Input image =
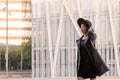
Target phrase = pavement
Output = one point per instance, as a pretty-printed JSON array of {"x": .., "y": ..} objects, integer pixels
[
  {"x": 103, "y": 78},
  {"x": 26, "y": 75},
  {"x": 16, "y": 74}
]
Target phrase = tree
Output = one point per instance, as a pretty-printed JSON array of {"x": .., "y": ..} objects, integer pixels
[
  {"x": 14, "y": 56},
  {"x": 26, "y": 50}
]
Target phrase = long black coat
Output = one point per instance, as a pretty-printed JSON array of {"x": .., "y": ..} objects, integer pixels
[{"x": 99, "y": 65}]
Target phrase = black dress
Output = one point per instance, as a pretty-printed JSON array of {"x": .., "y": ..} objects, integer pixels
[{"x": 86, "y": 69}]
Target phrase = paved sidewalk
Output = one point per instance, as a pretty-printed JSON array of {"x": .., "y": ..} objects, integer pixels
[{"x": 108, "y": 78}]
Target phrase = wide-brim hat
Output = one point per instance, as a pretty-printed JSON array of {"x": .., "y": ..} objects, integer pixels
[{"x": 83, "y": 21}]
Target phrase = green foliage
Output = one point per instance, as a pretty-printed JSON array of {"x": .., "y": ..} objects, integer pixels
[
  {"x": 14, "y": 55},
  {"x": 2, "y": 54},
  {"x": 26, "y": 50}
]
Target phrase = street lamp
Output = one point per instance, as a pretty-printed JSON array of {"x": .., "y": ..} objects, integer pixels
[
  {"x": 5, "y": 7},
  {"x": 6, "y": 55}
]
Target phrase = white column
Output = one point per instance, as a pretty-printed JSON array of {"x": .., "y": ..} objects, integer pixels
[
  {"x": 49, "y": 36},
  {"x": 37, "y": 50},
  {"x": 79, "y": 7},
  {"x": 33, "y": 51},
  {"x": 97, "y": 19},
  {"x": 114, "y": 37},
  {"x": 33, "y": 41},
  {"x": 58, "y": 39},
  {"x": 72, "y": 19}
]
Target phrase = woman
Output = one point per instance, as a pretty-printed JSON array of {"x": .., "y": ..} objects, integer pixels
[{"x": 89, "y": 62}]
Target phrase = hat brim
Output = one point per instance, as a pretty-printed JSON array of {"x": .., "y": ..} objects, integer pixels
[{"x": 83, "y": 21}]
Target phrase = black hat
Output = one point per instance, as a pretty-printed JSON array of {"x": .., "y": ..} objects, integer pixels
[{"x": 83, "y": 21}]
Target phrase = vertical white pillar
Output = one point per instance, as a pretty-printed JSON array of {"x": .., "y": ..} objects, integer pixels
[
  {"x": 97, "y": 19},
  {"x": 33, "y": 38},
  {"x": 69, "y": 51},
  {"x": 58, "y": 38},
  {"x": 114, "y": 37},
  {"x": 72, "y": 19},
  {"x": 37, "y": 50},
  {"x": 33, "y": 50},
  {"x": 49, "y": 36},
  {"x": 79, "y": 7},
  {"x": 107, "y": 42}
]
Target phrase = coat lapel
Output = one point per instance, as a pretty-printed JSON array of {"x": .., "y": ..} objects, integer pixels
[
  {"x": 86, "y": 40},
  {"x": 79, "y": 40}
]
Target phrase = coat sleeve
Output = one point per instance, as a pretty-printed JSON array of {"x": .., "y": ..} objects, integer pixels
[
  {"x": 92, "y": 35},
  {"x": 78, "y": 55}
]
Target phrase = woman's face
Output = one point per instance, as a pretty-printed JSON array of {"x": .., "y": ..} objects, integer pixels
[{"x": 84, "y": 28}]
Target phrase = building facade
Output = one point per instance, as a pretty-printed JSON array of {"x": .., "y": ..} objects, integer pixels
[
  {"x": 19, "y": 27},
  {"x": 19, "y": 21},
  {"x": 54, "y": 34}
]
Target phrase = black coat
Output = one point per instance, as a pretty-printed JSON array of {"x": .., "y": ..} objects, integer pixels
[{"x": 99, "y": 65}]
